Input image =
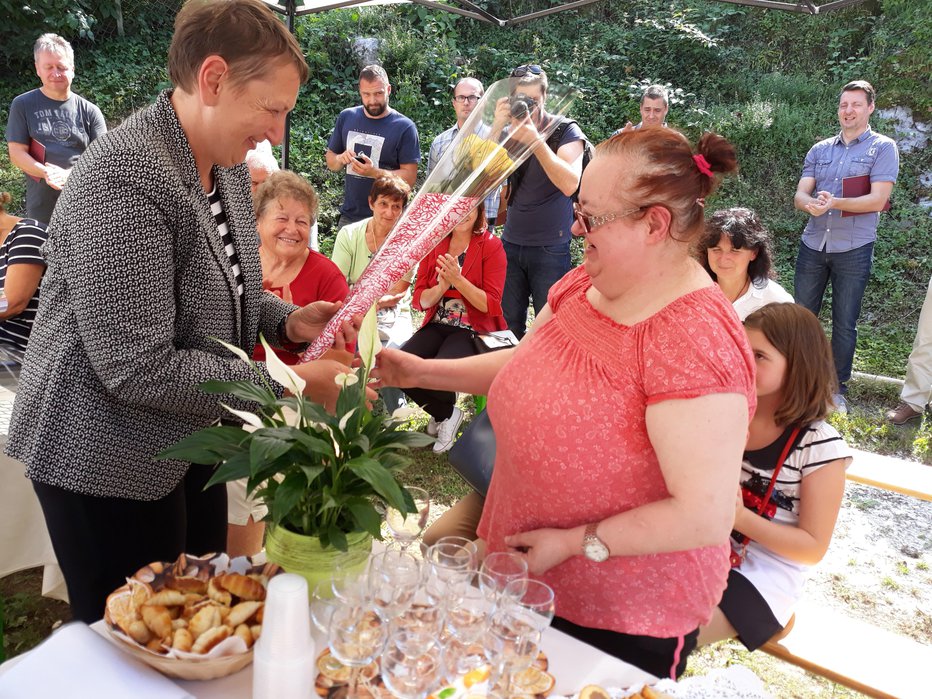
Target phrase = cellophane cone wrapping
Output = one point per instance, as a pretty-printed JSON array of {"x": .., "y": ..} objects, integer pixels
[{"x": 476, "y": 163}]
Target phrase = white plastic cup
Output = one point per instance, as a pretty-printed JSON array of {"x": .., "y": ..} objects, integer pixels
[
  {"x": 286, "y": 627},
  {"x": 283, "y": 665}
]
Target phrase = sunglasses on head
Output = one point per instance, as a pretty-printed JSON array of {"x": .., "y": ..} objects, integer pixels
[{"x": 521, "y": 71}]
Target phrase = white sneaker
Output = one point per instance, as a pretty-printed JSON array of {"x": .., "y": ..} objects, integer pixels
[
  {"x": 432, "y": 427},
  {"x": 446, "y": 431}
]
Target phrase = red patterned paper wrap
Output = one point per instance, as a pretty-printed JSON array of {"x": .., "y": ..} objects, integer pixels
[{"x": 429, "y": 218}]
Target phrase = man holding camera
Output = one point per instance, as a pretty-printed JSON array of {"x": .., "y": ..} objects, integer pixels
[
  {"x": 540, "y": 206},
  {"x": 371, "y": 141}
]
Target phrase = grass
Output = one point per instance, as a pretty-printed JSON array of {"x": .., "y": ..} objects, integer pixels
[
  {"x": 780, "y": 678},
  {"x": 26, "y": 617}
]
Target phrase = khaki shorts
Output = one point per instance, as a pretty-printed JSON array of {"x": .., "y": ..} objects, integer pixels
[{"x": 240, "y": 507}]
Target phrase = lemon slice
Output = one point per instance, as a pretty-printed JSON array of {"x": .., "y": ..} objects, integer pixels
[
  {"x": 476, "y": 676},
  {"x": 333, "y": 669},
  {"x": 593, "y": 691},
  {"x": 533, "y": 681}
]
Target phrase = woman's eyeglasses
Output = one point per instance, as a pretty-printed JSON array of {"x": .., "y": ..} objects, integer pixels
[
  {"x": 521, "y": 71},
  {"x": 466, "y": 99},
  {"x": 590, "y": 223}
]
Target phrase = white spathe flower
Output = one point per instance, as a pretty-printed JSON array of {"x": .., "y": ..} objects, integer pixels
[
  {"x": 345, "y": 419},
  {"x": 347, "y": 379},
  {"x": 368, "y": 342},
  {"x": 281, "y": 372},
  {"x": 248, "y": 418},
  {"x": 403, "y": 413},
  {"x": 235, "y": 350},
  {"x": 292, "y": 418}
]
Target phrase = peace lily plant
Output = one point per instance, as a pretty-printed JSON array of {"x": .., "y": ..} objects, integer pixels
[{"x": 320, "y": 475}]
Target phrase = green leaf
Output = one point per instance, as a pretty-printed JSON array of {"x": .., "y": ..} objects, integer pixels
[
  {"x": 241, "y": 389},
  {"x": 315, "y": 445},
  {"x": 234, "y": 468},
  {"x": 337, "y": 538},
  {"x": 365, "y": 516},
  {"x": 362, "y": 443},
  {"x": 267, "y": 447},
  {"x": 287, "y": 495},
  {"x": 207, "y": 446},
  {"x": 311, "y": 471},
  {"x": 380, "y": 478}
]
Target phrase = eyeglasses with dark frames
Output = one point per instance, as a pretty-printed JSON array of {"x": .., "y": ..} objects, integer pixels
[
  {"x": 590, "y": 223},
  {"x": 466, "y": 99},
  {"x": 521, "y": 71}
]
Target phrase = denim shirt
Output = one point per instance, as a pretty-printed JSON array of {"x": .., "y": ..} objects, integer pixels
[{"x": 830, "y": 161}]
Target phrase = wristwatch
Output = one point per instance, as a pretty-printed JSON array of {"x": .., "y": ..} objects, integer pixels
[{"x": 593, "y": 547}]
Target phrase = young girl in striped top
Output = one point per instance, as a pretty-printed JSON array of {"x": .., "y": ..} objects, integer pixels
[{"x": 792, "y": 477}]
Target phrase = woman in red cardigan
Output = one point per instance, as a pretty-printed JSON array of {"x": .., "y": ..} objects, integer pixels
[{"x": 459, "y": 288}]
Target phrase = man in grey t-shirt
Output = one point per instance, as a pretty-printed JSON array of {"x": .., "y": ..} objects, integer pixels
[{"x": 50, "y": 127}]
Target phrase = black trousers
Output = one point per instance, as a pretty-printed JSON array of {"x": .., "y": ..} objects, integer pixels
[
  {"x": 438, "y": 341},
  {"x": 99, "y": 542},
  {"x": 658, "y": 656}
]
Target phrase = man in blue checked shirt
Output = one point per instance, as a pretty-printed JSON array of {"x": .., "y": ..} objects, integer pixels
[
  {"x": 838, "y": 242},
  {"x": 466, "y": 95}
]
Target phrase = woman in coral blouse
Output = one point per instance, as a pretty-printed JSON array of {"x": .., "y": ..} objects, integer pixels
[
  {"x": 459, "y": 288},
  {"x": 621, "y": 417}
]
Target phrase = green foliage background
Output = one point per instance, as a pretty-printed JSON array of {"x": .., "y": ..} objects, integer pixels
[{"x": 766, "y": 79}]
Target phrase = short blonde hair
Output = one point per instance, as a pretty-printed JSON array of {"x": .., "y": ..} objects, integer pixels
[{"x": 285, "y": 184}]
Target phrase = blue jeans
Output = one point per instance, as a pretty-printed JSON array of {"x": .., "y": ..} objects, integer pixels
[
  {"x": 848, "y": 273},
  {"x": 531, "y": 271}
]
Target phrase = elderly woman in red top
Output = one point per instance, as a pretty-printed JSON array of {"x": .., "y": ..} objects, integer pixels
[
  {"x": 621, "y": 417},
  {"x": 459, "y": 288}
]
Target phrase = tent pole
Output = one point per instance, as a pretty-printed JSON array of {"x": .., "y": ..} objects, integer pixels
[{"x": 290, "y": 8}]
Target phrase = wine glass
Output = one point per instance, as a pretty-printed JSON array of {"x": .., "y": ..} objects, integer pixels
[
  {"x": 502, "y": 568},
  {"x": 510, "y": 645},
  {"x": 425, "y": 614},
  {"x": 412, "y": 664},
  {"x": 404, "y": 527},
  {"x": 450, "y": 562},
  {"x": 467, "y": 544},
  {"x": 349, "y": 580},
  {"x": 357, "y": 637},
  {"x": 466, "y": 622},
  {"x": 531, "y": 600},
  {"x": 394, "y": 577}
]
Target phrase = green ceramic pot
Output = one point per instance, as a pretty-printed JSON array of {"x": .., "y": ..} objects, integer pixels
[{"x": 303, "y": 555}]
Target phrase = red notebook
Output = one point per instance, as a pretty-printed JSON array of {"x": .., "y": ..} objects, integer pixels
[
  {"x": 858, "y": 187},
  {"x": 37, "y": 151}
]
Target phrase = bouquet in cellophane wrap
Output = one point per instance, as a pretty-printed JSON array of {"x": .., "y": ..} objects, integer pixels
[{"x": 479, "y": 160}]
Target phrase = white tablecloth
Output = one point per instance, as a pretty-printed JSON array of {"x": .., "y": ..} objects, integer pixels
[
  {"x": 24, "y": 539},
  {"x": 573, "y": 663}
]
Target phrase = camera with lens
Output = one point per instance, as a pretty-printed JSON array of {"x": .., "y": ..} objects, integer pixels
[{"x": 521, "y": 105}]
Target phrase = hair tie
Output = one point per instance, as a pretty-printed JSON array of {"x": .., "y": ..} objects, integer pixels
[
  {"x": 701, "y": 202},
  {"x": 703, "y": 165}
]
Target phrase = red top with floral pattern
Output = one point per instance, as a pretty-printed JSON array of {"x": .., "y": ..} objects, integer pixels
[{"x": 572, "y": 447}]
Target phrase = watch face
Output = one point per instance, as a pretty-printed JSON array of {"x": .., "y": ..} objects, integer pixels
[{"x": 595, "y": 550}]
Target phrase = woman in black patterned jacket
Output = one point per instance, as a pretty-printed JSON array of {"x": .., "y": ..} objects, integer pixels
[{"x": 153, "y": 254}]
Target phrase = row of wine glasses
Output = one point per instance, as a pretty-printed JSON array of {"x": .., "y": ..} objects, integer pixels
[{"x": 432, "y": 619}]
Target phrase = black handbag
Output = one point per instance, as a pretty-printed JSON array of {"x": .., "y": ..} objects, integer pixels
[
  {"x": 490, "y": 342},
  {"x": 473, "y": 454}
]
